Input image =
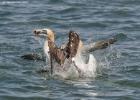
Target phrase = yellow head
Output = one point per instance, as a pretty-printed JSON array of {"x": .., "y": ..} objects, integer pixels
[{"x": 50, "y": 34}]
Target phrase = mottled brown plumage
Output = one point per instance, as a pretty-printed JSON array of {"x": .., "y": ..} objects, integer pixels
[
  {"x": 73, "y": 44},
  {"x": 56, "y": 53},
  {"x": 68, "y": 52}
]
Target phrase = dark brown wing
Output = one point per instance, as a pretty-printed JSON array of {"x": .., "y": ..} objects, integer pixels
[
  {"x": 72, "y": 46},
  {"x": 99, "y": 45},
  {"x": 69, "y": 51},
  {"x": 56, "y": 53}
]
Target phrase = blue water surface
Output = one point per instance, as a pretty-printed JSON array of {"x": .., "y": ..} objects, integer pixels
[{"x": 118, "y": 75}]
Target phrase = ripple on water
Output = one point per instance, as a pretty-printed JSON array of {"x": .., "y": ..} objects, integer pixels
[
  {"x": 118, "y": 75},
  {"x": 129, "y": 83}
]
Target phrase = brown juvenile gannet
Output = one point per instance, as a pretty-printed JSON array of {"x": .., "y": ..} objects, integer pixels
[
  {"x": 50, "y": 47},
  {"x": 53, "y": 52},
  {"x": 50, "y": 35},
  {"x": 71, "y": 53},
  {"x": 73, "y": 47}
]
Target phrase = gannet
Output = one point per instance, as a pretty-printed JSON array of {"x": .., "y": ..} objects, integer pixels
[
  {"x": 50, "y": 39},
  {"x": 71, "y": 52},
  {"x": 50, "y": 35},
  {"x": 90, "y": 47},
  {"x": 68, "y": 54}
]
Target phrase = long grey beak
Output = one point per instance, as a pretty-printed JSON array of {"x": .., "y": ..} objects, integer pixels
[
  {"x": 41, "y": 32},
  {"x": 37, "y": 32}
]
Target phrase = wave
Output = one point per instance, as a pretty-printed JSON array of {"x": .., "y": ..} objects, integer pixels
[{"x": 13, "y": 2}]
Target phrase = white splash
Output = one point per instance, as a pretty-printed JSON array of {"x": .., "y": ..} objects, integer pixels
[
  {"x": 77, "y": 69},
  {"x": 87, "y": 69}
]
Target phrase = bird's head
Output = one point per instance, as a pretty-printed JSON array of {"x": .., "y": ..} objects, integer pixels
[{"x": 50, "y": 34}]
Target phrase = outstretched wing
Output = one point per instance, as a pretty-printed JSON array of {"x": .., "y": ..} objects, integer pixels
[
  {"x": 68, "y": 52},
  {"x": 56, "y": 53},
  {"x": 72, "y": 46},
  {"x": 99, "y": 45}
]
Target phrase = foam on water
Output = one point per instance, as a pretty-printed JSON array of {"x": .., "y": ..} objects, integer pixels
[
  {"x": 78, "y": 68},
  {"x": 87, "y": 69}
]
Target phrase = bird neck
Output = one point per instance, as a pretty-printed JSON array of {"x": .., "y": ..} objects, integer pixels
[
  {"x": 50, "y": 38},
  {"x": 46, "y": 48},
  {"x": 80, "y": 47}
]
